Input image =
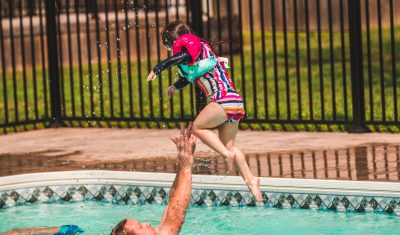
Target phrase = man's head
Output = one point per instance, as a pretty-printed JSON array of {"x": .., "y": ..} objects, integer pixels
[{"x": 132, "y": 227}]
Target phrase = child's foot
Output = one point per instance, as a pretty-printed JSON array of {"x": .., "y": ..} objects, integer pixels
[
  {"x": 254, "y": 186},
  {"x": 229, "y": 161}
]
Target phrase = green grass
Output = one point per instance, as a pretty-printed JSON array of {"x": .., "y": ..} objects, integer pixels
[{"x": 243, "y": 83}]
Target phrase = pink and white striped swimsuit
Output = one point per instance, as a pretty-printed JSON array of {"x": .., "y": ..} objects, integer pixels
[{"x": 217, "y": 86}]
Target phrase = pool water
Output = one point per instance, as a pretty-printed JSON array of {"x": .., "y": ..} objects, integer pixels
[{"x": 98, "y": 218}]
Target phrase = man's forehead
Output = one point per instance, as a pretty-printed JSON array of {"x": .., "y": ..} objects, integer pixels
[{"x": 132, "y": 222}]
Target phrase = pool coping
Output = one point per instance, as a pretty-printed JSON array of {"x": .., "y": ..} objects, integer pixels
[
  {"x": 340, "y": 187},
  {"x": 144, "y": 187}
]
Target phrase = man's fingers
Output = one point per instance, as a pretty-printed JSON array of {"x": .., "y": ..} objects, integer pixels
[
  {"x": 183, "y": 143},
  {"x": 182, "y": 125},
  {"x": 193, "y": 139},
  {"x": 189, "y": 129},
  {"x": 173, "y": 138}
]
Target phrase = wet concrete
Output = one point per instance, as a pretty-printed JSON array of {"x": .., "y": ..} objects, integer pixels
[
  {"x": 343, "y": 156},
  {"x": 374, "y": 162}
]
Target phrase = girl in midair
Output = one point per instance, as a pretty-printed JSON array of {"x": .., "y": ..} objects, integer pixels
[{"x": 197, "y": 63}]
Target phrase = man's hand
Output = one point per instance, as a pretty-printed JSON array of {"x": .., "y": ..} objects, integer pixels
[
  {"x": 171, "y": 90},
  {"x": 186, "y": 145},
  {"x": 151, "y": 76}
]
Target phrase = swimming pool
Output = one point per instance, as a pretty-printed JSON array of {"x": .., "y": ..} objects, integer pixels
[
  {"x": 97, "y": 200},
  {"x": 99, "y": 217}
]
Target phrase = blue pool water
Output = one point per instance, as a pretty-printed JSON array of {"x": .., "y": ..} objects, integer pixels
[{"x": 98, "y": 218}]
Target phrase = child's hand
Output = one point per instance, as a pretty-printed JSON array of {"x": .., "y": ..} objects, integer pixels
[
  {"x": 151, "y": 76},
  {"x": 171, "y": 90}
]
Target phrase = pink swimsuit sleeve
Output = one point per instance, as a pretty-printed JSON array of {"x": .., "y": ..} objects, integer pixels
[{"x": 191, "y": 43}]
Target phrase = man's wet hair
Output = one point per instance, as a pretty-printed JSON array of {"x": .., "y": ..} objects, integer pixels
[{"x": 119, "y": 228}]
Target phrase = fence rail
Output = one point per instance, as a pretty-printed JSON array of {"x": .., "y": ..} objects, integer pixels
[{"x": 293, "y": 61}]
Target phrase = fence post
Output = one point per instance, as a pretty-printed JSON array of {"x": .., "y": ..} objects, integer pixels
[
  {"x": 52, "y": 55},
  {"x": 356, "y": 65},
  {"x": 196, "y": 11}
]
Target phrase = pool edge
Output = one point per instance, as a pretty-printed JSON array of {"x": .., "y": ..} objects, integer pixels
[
  {"x": 209, "y": 190},
  {"x": 364, "y": 188}
]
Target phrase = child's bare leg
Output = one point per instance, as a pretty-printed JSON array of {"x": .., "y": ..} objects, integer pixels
[
  {"x": 211, "y": 116},
  {"x": 253, "y": 183},
  {"x": 227, "y": 133}
]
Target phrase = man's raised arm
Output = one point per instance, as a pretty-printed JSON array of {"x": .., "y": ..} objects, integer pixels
[{"x": 180, "y": 194}]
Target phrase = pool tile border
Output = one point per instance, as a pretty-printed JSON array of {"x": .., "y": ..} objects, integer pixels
[{"x": 149, "y": 188}]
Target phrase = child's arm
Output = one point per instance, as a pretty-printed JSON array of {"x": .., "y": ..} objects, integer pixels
[
  {"x": 179, "y": 58},
  {"x": 181, "y": 83}
]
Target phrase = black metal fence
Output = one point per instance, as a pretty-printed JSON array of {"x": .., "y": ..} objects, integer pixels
[{"x": 293, "y": 61}]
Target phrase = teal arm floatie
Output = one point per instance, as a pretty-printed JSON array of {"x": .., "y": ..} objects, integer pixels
[
  {"x": 69, "y": 230},
  {"x": 191, "y": 72}
]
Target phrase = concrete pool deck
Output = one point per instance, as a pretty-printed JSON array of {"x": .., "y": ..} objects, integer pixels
[{"x": 111, "y": 145}]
